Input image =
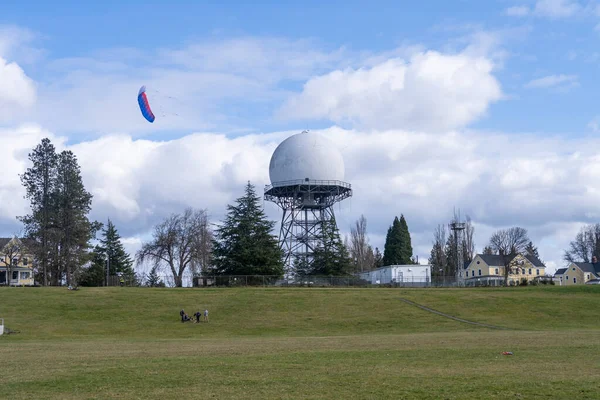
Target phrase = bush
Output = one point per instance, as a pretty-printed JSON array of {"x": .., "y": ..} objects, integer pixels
[{"x": 524, "y": 282}]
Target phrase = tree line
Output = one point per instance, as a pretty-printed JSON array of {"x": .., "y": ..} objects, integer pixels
[{"x": 59, "y": 234}]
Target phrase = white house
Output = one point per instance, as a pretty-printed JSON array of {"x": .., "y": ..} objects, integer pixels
[{"x": 404, "y": 275}]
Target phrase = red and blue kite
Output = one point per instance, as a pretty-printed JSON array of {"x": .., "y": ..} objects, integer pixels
[{"x": 144, "y": 105}]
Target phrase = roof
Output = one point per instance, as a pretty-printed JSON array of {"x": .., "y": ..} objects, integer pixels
[
  {"x": 4, "y": 241},
  {"x": 560, "y": 271},
  {"x": 495, "y": 260},
  {"x": 593, "y": 268}
]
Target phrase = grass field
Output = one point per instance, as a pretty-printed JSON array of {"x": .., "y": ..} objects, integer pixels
[{"x": 304, "y": 343}]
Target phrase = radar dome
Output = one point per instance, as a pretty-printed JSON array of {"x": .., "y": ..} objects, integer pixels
[{"x": 306, "y": 155}]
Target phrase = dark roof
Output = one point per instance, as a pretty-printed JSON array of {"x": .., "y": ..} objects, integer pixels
[
  {"x": 494, "y": 260},
  {"x": 560, "y": 271},
  {"x": 594, "y": 268},
  {"x": 4, "y": 241}
]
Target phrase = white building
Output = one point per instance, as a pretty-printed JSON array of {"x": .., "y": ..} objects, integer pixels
[{"x": 404, "y": 275}]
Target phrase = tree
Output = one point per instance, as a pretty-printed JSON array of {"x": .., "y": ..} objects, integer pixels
[
  {"x": 153, "y": 278},
  {"x": 532, "y": 250},
  {"x": 119, "y": 261},
  {"x": 360, "y": 250},
  {"x": 244, "y": 243},
  {"x": 330, "y": 257},
  {"x": 508, "y": 243},
  {"x": 585, "y": 246},
  {"x": 39, "y": 181},
  {"x": 406, "y": 250},
  {"x": 468, "y": 242},
  {"x": 95, "y": 272},
  {"x": 397, "y": 249},
  {"x": 377, "y": 259},
  {"x": 12, "y": 253},
  {"x": 488, "y": 250},
  {"x": 72, "y": 204},
  {"x": 176, "y": 243},
  {"x": 437, "y": 257}
]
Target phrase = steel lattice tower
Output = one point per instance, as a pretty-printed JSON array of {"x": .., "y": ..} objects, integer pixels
[
  {"x": 307, "y": 180},
  {"x": 307, "y": 208}
]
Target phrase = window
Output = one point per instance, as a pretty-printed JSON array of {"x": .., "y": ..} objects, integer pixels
[
  {"x": 473, "y": 273},
  {"x": 529, "y": 271},
  {"x": 573, "y": 268},
  {"x": 479, "y": 272},
  {"x": 15, "y": 261},
  {"x": 567, "y": 277},
  {"x": 477, "y": 262},
  {"x": 15, "y": 275},
  {"x": 497, "y": 271},
  {"x": 537, "y": 271},
  {"x": 25, "y": 275},
  {"x": 25, "y": 261},
  {"x": 574, "y": 280}
]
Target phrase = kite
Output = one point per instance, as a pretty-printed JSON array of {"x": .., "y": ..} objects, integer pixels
[{"x": 144, "y": 105}]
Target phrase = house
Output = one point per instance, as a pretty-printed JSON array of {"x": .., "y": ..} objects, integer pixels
[
  {"x": 578, "y": 273},
  {"x": 404, "y": 275},
  {"x": 488, "y": 269},
  {"x": 16, "y": 263}
]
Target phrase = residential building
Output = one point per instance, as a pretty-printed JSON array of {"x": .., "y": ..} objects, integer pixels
[
  {"x": 488, "y": 269},
  {"x": 578, "y": 273},
  {"x": 16, "y": 263}
]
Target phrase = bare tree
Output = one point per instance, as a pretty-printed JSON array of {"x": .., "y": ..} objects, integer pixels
[
  {"x": 585, "y": 246},
  {"x": 438, "y": 258},
  {"x": 360, "y": 250},
  {"x": 468, "y": 242},
  {"x": 179, "y": 242},
  {"x": 508, "y": 243},
  {"x": 13, "y": 253}
]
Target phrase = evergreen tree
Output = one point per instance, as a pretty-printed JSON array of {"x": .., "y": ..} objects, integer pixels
[
  {"x": 406, "y": 250},
  {"x": 244, "y": 244},
  {"x": 531, "y": 250},
  {"x": 451, "y": 256},
  {"x": 392, "y": 253},
  {"x": 153, "y": 278},
  {"x": 488, "y": 250},
  {"x": 119, "y": 260},
  {"x": 331, "y": 257},
  {"x": 39, "y": 181},
  {"x": 95, "y": 273},
  {"x": 378, "y": 259},
  {"x": 72, "y": 203}
]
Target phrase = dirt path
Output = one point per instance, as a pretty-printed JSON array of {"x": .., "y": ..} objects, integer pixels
[{"x": 450, "y": 316}]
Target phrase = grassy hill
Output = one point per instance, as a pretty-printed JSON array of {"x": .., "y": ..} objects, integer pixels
[{"x": 300, "y": 343}]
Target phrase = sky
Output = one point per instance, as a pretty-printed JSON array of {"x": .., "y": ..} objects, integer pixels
[{"x": 490, "y": 107}]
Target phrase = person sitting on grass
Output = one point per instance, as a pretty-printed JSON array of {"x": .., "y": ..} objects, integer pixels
[
  {"x": 186, "y": 318},
  {"x": 181, "y": 314}
]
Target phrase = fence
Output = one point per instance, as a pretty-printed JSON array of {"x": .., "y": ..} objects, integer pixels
[{"x": 314, "y": 281}]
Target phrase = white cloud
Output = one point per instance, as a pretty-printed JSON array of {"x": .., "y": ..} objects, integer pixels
[
  {"x": 17, "y": 90},
  {"x": 553, "y": 9},
  {"x": 432, "y": 91},
  {"x": 550, "y": 81},
  {"x": 549, "y": 186},
  {"x": 517, "y": 11},
  {"x": 557, "y": 8}
]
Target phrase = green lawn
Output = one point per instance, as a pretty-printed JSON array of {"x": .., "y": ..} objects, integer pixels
[{"x": 300, "y": 343}]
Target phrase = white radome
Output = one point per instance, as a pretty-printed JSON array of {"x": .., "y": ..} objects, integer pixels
[{"x": 306, "y": 155}]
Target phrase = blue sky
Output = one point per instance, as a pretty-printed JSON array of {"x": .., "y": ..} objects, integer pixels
[
  {"x": 535, "y": 46},
  {"x": 487, "y": 106}
]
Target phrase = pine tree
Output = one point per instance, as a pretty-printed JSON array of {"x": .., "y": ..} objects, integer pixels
[
  {"x": 488, "y": 250},
  {"x": 406, "y": 250},
  {"x": 39, "y": 181},
  {"x": 531, "y": 250},
  {"x": 244, "y": 244},
  {"x": 378, "y": 262},
  {"x": 153, "y": 278},
  {"x": 392, "y": 250},
  {"x": 119, "y": 260},
  {"x": 331, "y": 257},
  {"x": 95, "y": 273},
  {"x": 72, "y": 203}
]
